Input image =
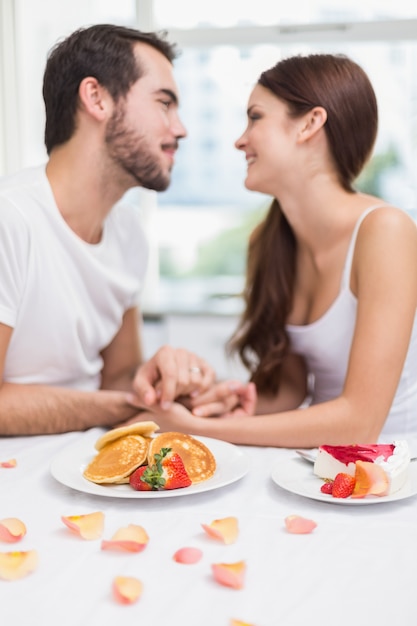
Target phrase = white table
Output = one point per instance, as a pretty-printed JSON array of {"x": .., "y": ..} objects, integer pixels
[{"x": 356, "y": 568}]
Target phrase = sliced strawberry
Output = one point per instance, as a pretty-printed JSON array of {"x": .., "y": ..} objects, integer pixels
[
  {"x": 168, "y": 472},
  {"x": 174, "y": 472},
  {"x": 137, "y": 482},
  {"x": 343, "y": 485}
]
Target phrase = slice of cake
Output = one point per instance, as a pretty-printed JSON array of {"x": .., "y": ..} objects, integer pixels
[{"x": 393, "y": 458}]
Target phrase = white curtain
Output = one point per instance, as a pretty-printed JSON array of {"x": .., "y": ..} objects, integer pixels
[{"x": 10, "y": 152}]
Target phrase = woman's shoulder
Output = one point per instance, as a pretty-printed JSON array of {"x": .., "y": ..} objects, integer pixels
[
  {"x": 385, "y": 220},
  {"x": 387, "y": 235}
]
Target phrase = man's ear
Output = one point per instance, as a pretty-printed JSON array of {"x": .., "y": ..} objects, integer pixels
[
  {"x": 311, "y": 123},
  {"x": 94, "y": 98}
]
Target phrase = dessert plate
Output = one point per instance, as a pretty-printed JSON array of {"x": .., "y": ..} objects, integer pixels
[
  {"x": 296, "y": 476},
  {"x": 309, "y": 454},
  {"x": 67, "y": 468}
]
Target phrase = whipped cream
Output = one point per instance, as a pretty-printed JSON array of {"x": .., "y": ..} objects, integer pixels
[{"x": 396, "y": 466}]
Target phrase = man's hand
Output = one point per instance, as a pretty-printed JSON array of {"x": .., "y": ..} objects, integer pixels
[{"x": 169, "y": 374}]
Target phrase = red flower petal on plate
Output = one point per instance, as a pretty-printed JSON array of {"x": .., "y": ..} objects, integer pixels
[
  {"x": 127, "y": 589},
  {"x": 299, "y": 525},
  {"x": 132, "y": 539},
  {"x": 89, "y": 526},
  {"x": 371, "y": 479},
  {"x": 188, "y": 556},
  {"x": 11, "y": 529}
]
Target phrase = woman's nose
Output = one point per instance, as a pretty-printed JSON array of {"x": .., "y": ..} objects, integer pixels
[{"x": 240, "y": 142}]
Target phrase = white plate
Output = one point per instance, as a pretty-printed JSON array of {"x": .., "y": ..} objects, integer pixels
[
  {"x": 297, "y": 476},
  {"x": 68, "y": 466}
]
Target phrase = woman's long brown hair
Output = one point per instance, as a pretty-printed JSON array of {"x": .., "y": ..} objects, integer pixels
[{"x": 338, "y": 84}]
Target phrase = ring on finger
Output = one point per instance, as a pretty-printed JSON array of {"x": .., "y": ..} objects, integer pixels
[{"x": 195, "y": 370}]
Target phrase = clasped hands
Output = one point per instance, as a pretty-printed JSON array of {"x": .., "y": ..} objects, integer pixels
[{"x": 177, "y": 376}]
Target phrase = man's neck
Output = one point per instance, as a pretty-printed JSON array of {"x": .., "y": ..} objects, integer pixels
[{"x": 83, "y": 193}]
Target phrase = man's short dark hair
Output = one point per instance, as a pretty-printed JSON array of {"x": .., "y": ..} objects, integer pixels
[{"x": 104, "y": 51}]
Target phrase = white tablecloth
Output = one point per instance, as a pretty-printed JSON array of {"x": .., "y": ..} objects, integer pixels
[{"x": 356, "y": 568}]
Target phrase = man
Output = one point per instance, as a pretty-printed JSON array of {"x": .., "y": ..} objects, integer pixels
[{"x": 72, "y": 261}]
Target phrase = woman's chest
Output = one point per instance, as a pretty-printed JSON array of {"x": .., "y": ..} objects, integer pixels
[{"x": 316, "y": 288}]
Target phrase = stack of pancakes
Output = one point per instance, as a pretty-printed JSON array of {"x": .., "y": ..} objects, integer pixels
[{"x": 122, "y": 450}]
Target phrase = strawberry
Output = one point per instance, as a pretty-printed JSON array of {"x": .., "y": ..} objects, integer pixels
[
  {"x": 136, "y": 481},
  {"x": 168, "y": 472},
  {"x": 327, "y": 487},
  {"x": 343, "y": 485}
]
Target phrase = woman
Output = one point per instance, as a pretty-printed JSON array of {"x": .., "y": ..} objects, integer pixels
[{"x": 331, "y": 290}]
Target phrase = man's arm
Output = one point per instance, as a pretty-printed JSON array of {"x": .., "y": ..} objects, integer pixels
[
  {"x": 43, "y": 409},
  {"x": 124, "y": 355}
]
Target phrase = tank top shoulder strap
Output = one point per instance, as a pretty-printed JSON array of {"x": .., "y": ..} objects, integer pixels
[{"x": 351, "y": 249}]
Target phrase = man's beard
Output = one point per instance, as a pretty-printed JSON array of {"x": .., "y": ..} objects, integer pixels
[{"x": 132, "y": 153}]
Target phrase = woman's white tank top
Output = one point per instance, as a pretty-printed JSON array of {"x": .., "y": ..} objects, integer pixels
[{"x": 325, "y": 345}]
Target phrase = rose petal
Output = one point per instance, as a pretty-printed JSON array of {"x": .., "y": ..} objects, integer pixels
[
  {"x": 15, "y": 565},
  {"x": 11, "y": 529},
  {"x": 189, "y": 556},
  {"x": 127, "y": 589},
  {"x": 238, "y": 622},
  {"x": 89, "y": 526},
  {"x": 299, "y": 525},
  {"x": 133, "y": 539},
  {"x": 229, "y": 574},
  {"x": 371, "y": 479},
  {"x": 9, "y": 463},
  {"x": 225, "y": 529}
]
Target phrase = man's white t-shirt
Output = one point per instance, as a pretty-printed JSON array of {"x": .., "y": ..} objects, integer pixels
[{"x": 64, "y": 298}]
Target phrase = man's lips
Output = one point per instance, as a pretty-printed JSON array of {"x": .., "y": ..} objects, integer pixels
[{"x": 170, "y": 150}]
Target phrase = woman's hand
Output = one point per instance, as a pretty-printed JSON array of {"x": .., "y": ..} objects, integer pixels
[
  {"x": 177, "y": 419},
  {"x": 225, "y": 399},
  {"x": 227, "y": 405},
  {"x": 169, "y": 374}
]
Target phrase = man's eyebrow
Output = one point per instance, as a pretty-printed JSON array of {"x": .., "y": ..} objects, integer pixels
[{"x": 170, "y": 94}]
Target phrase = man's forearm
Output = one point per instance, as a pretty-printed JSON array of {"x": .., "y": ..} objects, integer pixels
[{"x": 41, "y": 409}]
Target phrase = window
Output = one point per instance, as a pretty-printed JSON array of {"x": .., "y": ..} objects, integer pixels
[
  {"x": 207, "y": 212},
  {"x": 198, "y": 228}
]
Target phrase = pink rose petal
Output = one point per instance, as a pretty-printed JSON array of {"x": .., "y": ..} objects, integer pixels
[
  {"x": 9, "y": 463},
  {"x": 132, "y": 539},
  {"x": 188, "y": 556},
  {"x": 89, "y": 526},
  {"x": 371, "y": 479},
  {"x": 230, "y": 574},
  {"x": 15, "y": 565},
  {"x": 127, "y": 589},
  {"x": 225, "y": 529},
  {"x": 299, "y": 525},
  {"x": 12, "y": 529}
]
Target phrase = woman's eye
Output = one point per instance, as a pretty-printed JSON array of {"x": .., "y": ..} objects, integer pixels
[{"x": 165, "y": 103}]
